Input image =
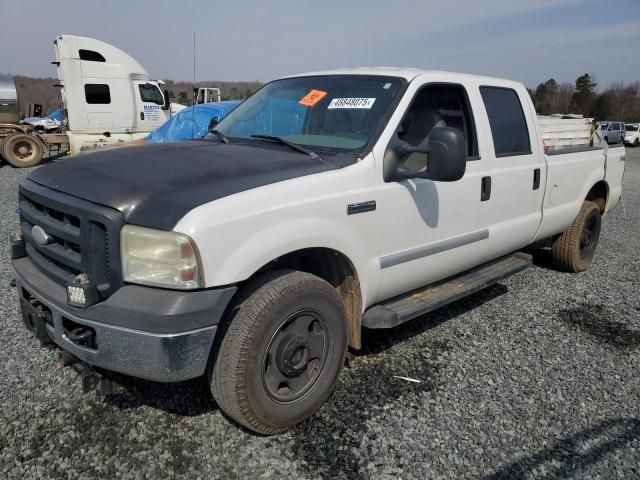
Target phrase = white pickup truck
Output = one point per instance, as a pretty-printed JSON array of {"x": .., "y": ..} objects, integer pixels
[{"x": 325, "y": 203}]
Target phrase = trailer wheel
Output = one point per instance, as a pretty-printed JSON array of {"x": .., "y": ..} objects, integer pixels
[
  {"x": 279, "y": 358},
  {"x": 22, "y": 150},
  {"x": 573, "y": 250}
]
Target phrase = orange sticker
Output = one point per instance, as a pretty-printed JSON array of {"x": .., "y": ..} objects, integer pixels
[{"x": 313, "y": 97}]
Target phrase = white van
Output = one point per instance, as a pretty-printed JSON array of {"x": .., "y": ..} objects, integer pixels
[{"x": 612, "y": 132}]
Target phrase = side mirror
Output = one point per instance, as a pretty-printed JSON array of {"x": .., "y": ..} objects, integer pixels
[
  {"x": 167, "y": 101},
  {"x": 444, "y": 157}
]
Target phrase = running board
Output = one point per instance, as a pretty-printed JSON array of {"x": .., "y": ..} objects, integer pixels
[{"x": 418, "y": 302}]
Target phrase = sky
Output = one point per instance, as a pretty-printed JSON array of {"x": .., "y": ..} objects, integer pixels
[{"x": 525, "y": 40}]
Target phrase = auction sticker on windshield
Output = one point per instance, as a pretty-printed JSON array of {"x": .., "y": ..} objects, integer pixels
[
  {"x": 352, "y": 103},
  {"x": 311, "y": 98}
]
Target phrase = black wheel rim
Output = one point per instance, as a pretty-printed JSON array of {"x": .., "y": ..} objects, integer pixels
[
  {"x": 296, "y": 356},
  {"x": 588, "y": 237}
]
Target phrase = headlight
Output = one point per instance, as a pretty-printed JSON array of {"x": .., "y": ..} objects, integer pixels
[{"x": 156, "y": 257}]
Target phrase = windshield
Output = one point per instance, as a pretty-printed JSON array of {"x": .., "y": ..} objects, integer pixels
[
  {"x": 632, "y": 128},
  {"x": 603, "y": 126},
  {"x": 338, "y": 112}
]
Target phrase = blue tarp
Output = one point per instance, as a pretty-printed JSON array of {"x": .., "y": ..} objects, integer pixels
[
  {"x": 280, "y": 117},
  {"x": 192, "y": 122},
  {"x": 56, "y": 115}
]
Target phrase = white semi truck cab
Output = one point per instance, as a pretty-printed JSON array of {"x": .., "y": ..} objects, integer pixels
[
  {"x": 325, "y": 203},
  {"x": 108, "y": 95},
  {"x": 108, "y": 100}
]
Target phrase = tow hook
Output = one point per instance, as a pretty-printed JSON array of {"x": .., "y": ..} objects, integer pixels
[
  {"x": 90, "y": 379},
  {"x": 65, "y": 359}
]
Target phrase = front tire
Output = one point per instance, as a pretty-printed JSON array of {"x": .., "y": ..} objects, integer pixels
[
  {"x": 280, "y": 356},
  {"x": 573, "y": 250}
]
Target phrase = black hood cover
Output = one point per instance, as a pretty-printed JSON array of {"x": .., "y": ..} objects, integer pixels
[{"x": 156, "y": 185}]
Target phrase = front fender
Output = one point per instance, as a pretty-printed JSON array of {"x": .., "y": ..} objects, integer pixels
[{"x": 267, "y": 244}]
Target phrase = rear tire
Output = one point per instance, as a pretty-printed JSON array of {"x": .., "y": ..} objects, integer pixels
[
  {"x": 279, "y": 359},
  {"x": 22, "y": 150},
  {"x": 573, "y": 250}
]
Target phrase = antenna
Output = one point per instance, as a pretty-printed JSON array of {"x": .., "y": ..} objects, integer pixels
[{"x": 194, "y": 94}]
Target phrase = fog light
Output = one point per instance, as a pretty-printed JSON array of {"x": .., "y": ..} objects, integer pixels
[{"x": 81, "y": 293}]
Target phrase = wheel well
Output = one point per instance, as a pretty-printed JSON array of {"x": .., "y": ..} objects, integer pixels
[
  {"x": 599, "y": 194},
  {"x": 335, "y": 268}
]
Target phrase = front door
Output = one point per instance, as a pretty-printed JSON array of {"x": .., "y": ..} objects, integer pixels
[
  {"x": 149, "y": 107},
  {"x": 438, "y": 228}
]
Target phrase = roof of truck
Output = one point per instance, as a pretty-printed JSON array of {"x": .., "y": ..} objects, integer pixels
[{"x": 406, "y": 73}]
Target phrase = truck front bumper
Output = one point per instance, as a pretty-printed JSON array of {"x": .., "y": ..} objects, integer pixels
[{"x": 151, "y": 333}]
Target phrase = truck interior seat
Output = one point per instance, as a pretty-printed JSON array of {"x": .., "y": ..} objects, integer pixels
[
  {"x": 421, "y": 125},
  {"x": 337, "y": 122}
]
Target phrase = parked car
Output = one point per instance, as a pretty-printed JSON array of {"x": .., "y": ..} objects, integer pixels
[
  {"x": 632, "y": 136},
  {"x": 256, "y": 255},
  {"x": 612, "y": 132}
]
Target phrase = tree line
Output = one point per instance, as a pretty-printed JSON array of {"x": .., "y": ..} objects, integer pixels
[
  {"x": 44, "y": 92},
  {"x": 618, "y": 102},
  {"x": 182, "y": 92}
]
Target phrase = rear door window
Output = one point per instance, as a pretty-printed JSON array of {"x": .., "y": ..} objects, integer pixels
[{"x": 507, "y": 121}]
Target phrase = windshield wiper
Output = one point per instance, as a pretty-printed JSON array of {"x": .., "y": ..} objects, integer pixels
[
  {"x": 291, "y": 145},
  {"x": 223, "y": 138}
]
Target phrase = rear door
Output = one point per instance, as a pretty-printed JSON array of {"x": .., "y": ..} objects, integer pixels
[
  {"x": 518, "y": 169},
  {"x": 622, "y": 131}
]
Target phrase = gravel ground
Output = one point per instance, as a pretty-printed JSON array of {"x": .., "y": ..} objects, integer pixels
[{"x": 536, "y": 377}]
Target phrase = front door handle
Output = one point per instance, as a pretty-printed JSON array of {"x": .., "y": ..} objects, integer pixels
[
  {"x": 485, "y": 189},
  {"x": 536, "y": 179}
]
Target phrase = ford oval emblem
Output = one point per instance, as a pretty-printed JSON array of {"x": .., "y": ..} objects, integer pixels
[{"x": 40, "y": 236}]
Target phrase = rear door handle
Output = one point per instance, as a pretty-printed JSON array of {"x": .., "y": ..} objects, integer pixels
[
  {"x": 141, "y": 115},
  {"x": 485, "y": 190},
  {"x": 536, "y": 179}
]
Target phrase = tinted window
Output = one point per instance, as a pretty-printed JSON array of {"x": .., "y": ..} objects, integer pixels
[
  {"x": 91, "y": 56},
  {"x": 150, "y": 93},
  {"x": 97, "y": 93},
  {"x": 506, "y": 118}
]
